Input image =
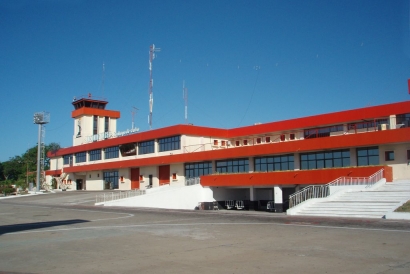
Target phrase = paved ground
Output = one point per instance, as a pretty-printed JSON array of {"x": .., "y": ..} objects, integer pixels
[{"x": 65, "y": 233}]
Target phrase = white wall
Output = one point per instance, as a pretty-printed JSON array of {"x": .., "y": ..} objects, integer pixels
[
  {"x": 126, "y": 183},
  {"x": 400, "y": 165},
  {"x": 168, "y": 197}
]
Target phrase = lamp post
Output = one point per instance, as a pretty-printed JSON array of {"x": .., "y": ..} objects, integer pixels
[{"x": 40, "y": 118}]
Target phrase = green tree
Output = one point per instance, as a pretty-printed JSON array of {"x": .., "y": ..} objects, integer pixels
[{"x": 22, "y": 169}]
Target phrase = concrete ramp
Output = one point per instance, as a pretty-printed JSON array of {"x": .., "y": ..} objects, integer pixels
[
  {"x": 169, "y": 197},
  {"x": 373, "y": 203}
]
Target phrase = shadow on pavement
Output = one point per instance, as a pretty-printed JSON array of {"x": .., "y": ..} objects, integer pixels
[{"x": 4, "y": 229}]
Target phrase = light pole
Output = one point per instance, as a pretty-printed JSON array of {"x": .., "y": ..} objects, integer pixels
[{"x": 40, "y": 118}]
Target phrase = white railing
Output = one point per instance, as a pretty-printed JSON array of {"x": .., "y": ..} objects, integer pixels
[
  {"x": 322, "y": 191},
  {"x": 112, "y": 196},
  {"x": 192, "y": 181}
]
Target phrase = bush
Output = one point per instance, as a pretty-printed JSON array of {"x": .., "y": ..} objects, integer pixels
[{"x": 7, "y": 189}]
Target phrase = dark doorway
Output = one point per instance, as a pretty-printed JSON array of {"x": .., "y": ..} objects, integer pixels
[{"x": 79, "y": 183}]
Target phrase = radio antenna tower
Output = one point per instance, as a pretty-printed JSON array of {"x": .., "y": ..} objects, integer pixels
[
  {"x": 185, "y": 97},
  {"x": 133, "y": 112},
  {"x": 103, "y": 80},
  {"x": 152, "y": 51}
]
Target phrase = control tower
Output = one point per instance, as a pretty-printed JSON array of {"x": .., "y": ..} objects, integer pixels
[{"x": 92, "y": 122}]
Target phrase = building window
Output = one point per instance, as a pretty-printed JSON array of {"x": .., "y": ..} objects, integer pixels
[
  {"x": 146, "y": 147},
  {"x": 80, "y": 157},
  {"x": 321, "y": 132},
  {"x": 245, "y": 142},
  {"x": 292, "y": 136},
  {"x": 232, "y": 166},
  {"x": 389, "y": 155},
  {"x": 274, "y": 163},
  {"x": 267, "y": 139},
  {"x": 367, "y": 156},
  {"x": 215, "y": 142},
  {"x": 237, "y": 143},
  {"x": 110, "y": 179},
  {"x": 193, "y": 170},
  {"x": 128, "y": 149},
  {"x": 223, "y": 143},
  {"x": 368, "y": 124},
  {"x": 282, "y": 137},
  {"x": 95, "y": 124},
  {"x": 258, "y": 140},
  {"x": 169, "y": 143},
  {"x": 325, "y": 159},
  {"x": 68, "y": 159},
  {"x": 95, "y": 155},
  {"x": 111, "y": 152},
  {"x": 174, "y": 176},
  {"x": 106, "y": 126}
]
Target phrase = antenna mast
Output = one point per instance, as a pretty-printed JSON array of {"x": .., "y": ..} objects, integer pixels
[
  {"x": 185, "y": 97},
  {"x": 103, "y": 79},
  {"x": 133, "y": 111},
  {"x": 152, "y": 51}
]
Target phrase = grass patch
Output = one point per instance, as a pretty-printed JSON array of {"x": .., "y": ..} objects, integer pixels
[{"x": 404, "y": 208}]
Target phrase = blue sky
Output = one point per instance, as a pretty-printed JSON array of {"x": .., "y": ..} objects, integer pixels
[{"x": 242, "y": 61}]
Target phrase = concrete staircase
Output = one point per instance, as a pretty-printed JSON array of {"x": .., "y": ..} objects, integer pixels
[{"x": 373, "y": 203}]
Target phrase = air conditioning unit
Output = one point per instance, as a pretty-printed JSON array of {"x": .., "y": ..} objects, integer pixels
[{"x": 383, "y": 127}]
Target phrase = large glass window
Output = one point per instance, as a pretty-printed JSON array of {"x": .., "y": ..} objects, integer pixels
[
  {"x": 146, "y": 147},
  {"x": 367, "y": 156},
  {"x": 110, "y": 179},
  {"x": 232, "y": 166},
  {"x": 193, "y": 170},
  {"x": 128, "y": 149},
  {"x": 68, "y": 159},
  {"x": 369, "y": 125},
  {"x": 111, "y": 152},
  {"x": 95, "y": 124},
  {"x": 80, "y": 157},
  {"x": 274, "y": 163},
  {"x": 95, "y": 155},
  {"x": 170, "y": 143},
  {"x": 325, "y": 159},
  {"x": 321, "y": 132},
  {"x": 106, "y": 124}
]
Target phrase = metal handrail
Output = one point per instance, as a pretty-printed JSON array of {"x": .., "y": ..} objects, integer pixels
[
  {"x": 112, "y": 196},
  {"x": 322, "y": 191}
]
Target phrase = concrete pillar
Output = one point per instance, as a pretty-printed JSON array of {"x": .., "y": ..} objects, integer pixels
[
  {"x": 278, "y": 198},
  {"x": 353, "y": 158},
  {"x": 296, "y": 161},
  {"x": 252, "y": 193},
  {"x": 392, "y": 121},
  {"x": 251, "y": 165}
]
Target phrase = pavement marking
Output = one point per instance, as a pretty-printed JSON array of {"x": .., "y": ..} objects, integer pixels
[
  {"x": 197, "y": 224},
  {"x": 129, "y": 215}
]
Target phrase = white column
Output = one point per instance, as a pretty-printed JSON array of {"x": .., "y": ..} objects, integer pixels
[
  {"x": 251, "y": 165},
  {"x": 278, "y": 198}
]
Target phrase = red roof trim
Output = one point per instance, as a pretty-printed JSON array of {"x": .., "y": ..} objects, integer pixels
[
  {"x": 287, "y": 125},
  {"x": 335, "y": 142}
]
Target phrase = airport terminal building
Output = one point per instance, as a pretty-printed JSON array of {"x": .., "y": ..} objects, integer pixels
[{"x": 266, "y": 161}]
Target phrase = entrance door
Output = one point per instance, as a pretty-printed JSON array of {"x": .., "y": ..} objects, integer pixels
[
  {"x": 164, "y": 174},
  {"x": 135, "y": 178},
  {"x": 79, "y": 183}
]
